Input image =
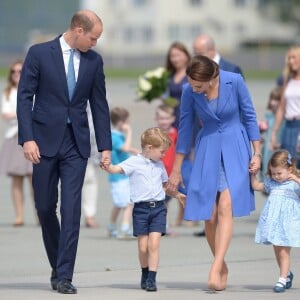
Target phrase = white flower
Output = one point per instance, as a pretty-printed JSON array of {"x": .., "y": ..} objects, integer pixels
[
  {"x": 158, "y": 73},
  {"x": 144, "y": 85}
]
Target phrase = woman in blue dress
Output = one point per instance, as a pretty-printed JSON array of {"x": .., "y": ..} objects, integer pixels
[
  {"x": 279, "y": 222},
  {"x": 219, "y": 187}
]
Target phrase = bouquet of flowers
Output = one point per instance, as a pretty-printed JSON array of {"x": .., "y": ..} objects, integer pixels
[{"x": 153, "y": 84}]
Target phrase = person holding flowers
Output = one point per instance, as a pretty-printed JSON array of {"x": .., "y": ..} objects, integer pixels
[{"x": 177, "y": 60}]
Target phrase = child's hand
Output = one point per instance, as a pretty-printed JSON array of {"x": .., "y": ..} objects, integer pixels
[
  {"x": 294, "y": 178},
  {"x": 104, "y": 165},
  {"x": 181, "y": 198},
  {"x": 126, "y": 127}
]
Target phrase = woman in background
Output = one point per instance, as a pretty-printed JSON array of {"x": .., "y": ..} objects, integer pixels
[
  {"x": 289, "y": 106},
  {"x": 177, "y": 60},
  {"x": 12, "y": 161}
]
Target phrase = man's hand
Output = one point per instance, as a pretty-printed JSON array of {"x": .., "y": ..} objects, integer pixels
[
  {"x": 32, "y": 152},
  {"x": 105, "y": 160}
]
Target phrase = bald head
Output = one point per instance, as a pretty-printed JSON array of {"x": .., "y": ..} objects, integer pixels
[
  {"x": 205, "y": 45},
  {"x": 86, "y": 19}
]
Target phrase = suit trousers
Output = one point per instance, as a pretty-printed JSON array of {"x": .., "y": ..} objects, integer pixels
[{"x": 60, "y": 236}]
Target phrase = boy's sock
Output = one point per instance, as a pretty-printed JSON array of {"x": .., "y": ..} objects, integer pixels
[
  {"x": 112, "y": 230},
  {"x": 145, "y": 271},
  {"x": 125, "y": 227}
]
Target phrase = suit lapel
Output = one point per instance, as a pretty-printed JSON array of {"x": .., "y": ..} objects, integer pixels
[
  {"x": 82, "y": 68},
  {"x": 60, "y": 67}
]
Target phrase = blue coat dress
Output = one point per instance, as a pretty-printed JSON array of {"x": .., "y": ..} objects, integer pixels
[{"x": 225, "y": 135}]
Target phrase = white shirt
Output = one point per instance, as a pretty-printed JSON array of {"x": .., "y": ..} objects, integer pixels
[
  {"x": 9, "y": 106},
  {"x": 292, "y": 99},
  {"x": 66, "y": 55},
  {"x": 217, "y": 58},
  {"x": 146, "y": 178}
]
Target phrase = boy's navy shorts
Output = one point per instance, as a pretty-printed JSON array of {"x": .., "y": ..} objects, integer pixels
[{"x": 149, "y": 216}]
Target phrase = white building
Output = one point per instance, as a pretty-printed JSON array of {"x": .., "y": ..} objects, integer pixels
[{"x": 147, "y": 27}]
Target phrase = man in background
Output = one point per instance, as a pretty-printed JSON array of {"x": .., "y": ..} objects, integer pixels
[{"x": 205, "y": 45}]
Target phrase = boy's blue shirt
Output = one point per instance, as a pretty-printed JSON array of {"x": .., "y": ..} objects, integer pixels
[{"x": 117, "y": 155}]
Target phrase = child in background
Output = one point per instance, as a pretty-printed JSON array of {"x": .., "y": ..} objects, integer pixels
[
  {"x": 119, "y": 183},
  {"x": 148, "y": 177},
  {"x": 165, "y": 117},
  {"x": 266, "y": 126},
  {"x": 90, "y": 184},
  {"x": 279, "y": 222}
]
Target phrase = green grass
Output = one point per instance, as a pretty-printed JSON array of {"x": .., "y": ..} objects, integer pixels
[
  {"x": 3, "y": 73},
  {"x": 134, "y": 73}
]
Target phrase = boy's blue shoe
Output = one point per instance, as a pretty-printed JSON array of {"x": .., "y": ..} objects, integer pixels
[
  {"x": 143, "y": 282},
  {"x": 151, "y": 285},
  {"x": 279, "y": 287},
  {"x": 289, "y": 281}
]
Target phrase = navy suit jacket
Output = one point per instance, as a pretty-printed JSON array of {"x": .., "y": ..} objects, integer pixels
[
  {"x": 43, "y": 104},
  {"x": 225, "y": 65}
]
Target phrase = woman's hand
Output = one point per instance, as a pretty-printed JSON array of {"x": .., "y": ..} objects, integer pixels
[
  {"x": 255, "y": 164},
  {"x": 175, "y": 179}
]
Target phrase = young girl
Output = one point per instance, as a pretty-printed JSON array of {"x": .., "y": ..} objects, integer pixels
[
  {"x": 279, "y": 222},
  {"x": 148, "y": 176}
]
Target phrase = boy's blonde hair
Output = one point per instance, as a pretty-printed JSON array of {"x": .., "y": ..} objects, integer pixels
[
  {"x": 155, "y": 137},
  {"x": 165, "y": 108},
  {"x": 283, "y": 159}
]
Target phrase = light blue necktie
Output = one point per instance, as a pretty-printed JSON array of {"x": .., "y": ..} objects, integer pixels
[{"x": 71, "y": 75}]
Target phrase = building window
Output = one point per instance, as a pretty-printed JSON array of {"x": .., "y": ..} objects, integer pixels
[
  {"x": 139, "y": 3},
  {"x": 195, "y": 30},
  {"x": 128, "y": 34},
  {"x": 196, "y": 2},
  {"x": 147, "y": 34},
  {"x": 174, "y": 32},
  {"x": 240, "y": 3}
]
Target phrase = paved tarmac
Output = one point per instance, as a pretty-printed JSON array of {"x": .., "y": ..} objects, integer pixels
[{"x": 108, "y": 268}]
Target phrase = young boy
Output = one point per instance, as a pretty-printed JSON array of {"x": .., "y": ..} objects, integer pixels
[
  {"x": 148, "y": 177},
  {"x": 119, "y": 183},
  {"x": 165, "y": 117}
]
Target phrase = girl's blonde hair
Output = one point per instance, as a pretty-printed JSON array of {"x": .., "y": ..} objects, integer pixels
[
  {"x": 283, "y": 159},
  {"x": 288, "y": 72},
  {"x": 155, "y": 137}
]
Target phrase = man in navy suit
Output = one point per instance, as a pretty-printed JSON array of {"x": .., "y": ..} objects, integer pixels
[
  {"x": 54, "y": 133},
  {"x": 205, "y": 45}
]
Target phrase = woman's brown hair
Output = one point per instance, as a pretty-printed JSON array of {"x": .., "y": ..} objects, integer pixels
[
  {"x": 201, "y": 68},
  {"x": 181, "y": 47}
]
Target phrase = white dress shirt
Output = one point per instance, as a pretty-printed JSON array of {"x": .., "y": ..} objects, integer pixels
[{"x": 66, "y": 55}]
